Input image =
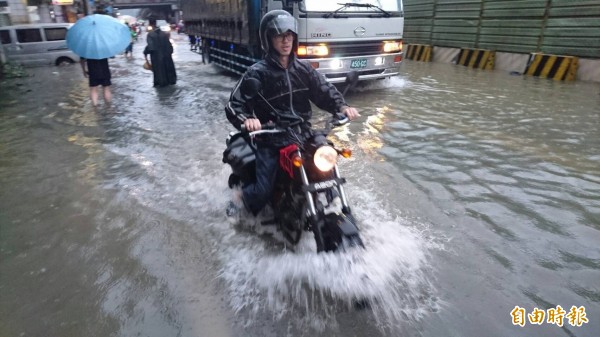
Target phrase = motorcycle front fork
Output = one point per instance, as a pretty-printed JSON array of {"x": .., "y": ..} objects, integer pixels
[
  {"x": 345, "y": 204},
  {"x": 313, "y": 215},
  {"x": 309, "y": 197}
]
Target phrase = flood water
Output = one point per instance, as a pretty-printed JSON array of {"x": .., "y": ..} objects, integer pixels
[{"x": 476, "y": 192}]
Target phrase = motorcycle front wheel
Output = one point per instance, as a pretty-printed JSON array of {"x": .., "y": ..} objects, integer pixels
[
  {"x": 291, "y": 216},
  {"x": 339, "y": 233},
  {"x": 350, "y": 243}
]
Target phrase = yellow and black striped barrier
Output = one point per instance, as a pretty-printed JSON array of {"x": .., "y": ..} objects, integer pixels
[
  {"x": 477, "y": 58},
  {"x": 418, "y": 52},
  {"x": 561, "y": 68}
]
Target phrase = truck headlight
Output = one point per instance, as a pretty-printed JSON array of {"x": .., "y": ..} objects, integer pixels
[
  {"x": 325, "y": 158},
  {"x": 392, "y": 46},
  {"x": 318, "y": 50}
]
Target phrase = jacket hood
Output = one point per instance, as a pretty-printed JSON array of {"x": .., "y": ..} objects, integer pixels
[{"x": 272, "y": 57}]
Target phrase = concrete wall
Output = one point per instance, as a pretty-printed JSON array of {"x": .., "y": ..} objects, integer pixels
[
  {"x": 513, "y": 29},
  {"x": 588, "y": 69},
  {"x": 559, "y": 27}
]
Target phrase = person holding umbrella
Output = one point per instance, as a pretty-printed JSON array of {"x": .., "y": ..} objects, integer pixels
[
  {"x": 96, "y": 38},
  {"x": 98, "y": 74},
  {"x": 160, "y": 49}
]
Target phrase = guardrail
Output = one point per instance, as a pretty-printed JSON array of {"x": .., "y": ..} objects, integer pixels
[
  {"x": 418, "y": 52},
  {"x": 476, "y": 58},
  {"x": 561, "y": 68}
]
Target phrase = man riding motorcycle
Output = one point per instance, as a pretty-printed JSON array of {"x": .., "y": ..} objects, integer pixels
[{"x": 288, "y": 85}]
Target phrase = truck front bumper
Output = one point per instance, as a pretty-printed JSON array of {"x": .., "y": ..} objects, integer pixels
[{"x": 369, "y": 67}]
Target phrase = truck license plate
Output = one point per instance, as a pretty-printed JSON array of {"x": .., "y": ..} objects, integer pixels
[{"x": 359, "y": 63}]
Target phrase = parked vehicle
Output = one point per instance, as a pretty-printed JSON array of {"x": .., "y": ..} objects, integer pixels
[
  {"x": 362, "y": 35},
  {"x": 309, "y": 193},
  {"x": 37, "y": 44}
]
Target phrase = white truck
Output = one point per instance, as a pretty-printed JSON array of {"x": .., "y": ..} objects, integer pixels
[{"x": 335, "y": 36}]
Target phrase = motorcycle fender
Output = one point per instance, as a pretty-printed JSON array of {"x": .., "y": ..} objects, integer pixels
[{"x": 344, "y": 223}]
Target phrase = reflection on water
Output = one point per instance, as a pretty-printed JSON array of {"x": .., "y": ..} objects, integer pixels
[{"x": 514, "y": 162}]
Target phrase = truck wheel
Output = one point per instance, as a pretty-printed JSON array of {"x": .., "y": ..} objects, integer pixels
[{"x": 205, "y": 54}]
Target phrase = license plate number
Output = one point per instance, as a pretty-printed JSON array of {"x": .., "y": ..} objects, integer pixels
[{"x": 360, "y": 63}]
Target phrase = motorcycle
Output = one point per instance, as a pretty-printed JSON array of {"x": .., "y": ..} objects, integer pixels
[{"x": 309, "y": 194}]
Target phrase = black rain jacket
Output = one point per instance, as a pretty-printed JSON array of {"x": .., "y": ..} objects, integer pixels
[{"x": 288, "y": 91}]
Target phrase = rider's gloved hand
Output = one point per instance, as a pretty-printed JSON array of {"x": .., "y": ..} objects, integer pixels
[
  {"x": 252, "y": 124},
  {"x": 350, "y": 112}
]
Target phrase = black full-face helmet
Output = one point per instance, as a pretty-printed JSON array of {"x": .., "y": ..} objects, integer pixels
[{"x": 274, "y": 23}]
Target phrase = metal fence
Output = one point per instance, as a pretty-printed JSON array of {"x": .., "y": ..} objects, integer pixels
[{"x": 562, "y": 27}]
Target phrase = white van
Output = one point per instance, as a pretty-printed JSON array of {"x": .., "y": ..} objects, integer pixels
[{"x": 37, "y": 44}]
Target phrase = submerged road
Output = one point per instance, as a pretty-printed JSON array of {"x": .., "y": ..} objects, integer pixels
[{"x": 477, "y": 193}]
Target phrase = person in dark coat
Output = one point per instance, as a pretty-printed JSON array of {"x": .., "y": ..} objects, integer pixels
[
  {"x": 160, "y": 49},
  {"x": 289, "y": 85}
]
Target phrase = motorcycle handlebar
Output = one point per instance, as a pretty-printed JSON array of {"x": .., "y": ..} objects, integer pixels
[
  {"x": 338, "y": 119},
  {"x": 265, "y": 126}
]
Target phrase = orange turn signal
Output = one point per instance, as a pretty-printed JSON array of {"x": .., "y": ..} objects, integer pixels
[
  {"x": 346, "y": 153},
  {"x": 313, "y": 50},
  {"x": 297, "y": 161}
]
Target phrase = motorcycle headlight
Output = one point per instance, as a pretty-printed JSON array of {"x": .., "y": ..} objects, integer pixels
[{"x": 325, "y": 158}]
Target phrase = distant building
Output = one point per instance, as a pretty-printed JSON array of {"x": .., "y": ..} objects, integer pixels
[{"x": 14, "y": 12}]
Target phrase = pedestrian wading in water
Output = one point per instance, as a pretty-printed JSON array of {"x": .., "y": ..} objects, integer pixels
[
  {"x": 129, "y": 49},
  {"x": 98, "y": 73},
  {"x": 160, "y": 49}
]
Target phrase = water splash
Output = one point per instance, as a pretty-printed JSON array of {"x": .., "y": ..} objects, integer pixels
[
  {"x": 310, "y": 289},
  {"x": 388, "y": 83}
]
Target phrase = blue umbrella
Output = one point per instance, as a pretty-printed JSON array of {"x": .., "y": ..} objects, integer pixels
[{"x": 98, "y": 36}]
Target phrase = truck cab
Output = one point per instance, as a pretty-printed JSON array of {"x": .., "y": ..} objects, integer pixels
[
  {"x": 335, "y": 37},
  {"x": 362, "y": 35}
]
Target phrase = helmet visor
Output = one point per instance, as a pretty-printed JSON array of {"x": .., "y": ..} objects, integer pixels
[{"x": 281, "y": 24}]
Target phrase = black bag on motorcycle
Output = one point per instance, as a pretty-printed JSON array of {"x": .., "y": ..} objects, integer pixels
[{"x": 240, "y": 156}]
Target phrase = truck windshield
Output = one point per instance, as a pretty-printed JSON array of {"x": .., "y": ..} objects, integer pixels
[{"x": 342, "y": 6}]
